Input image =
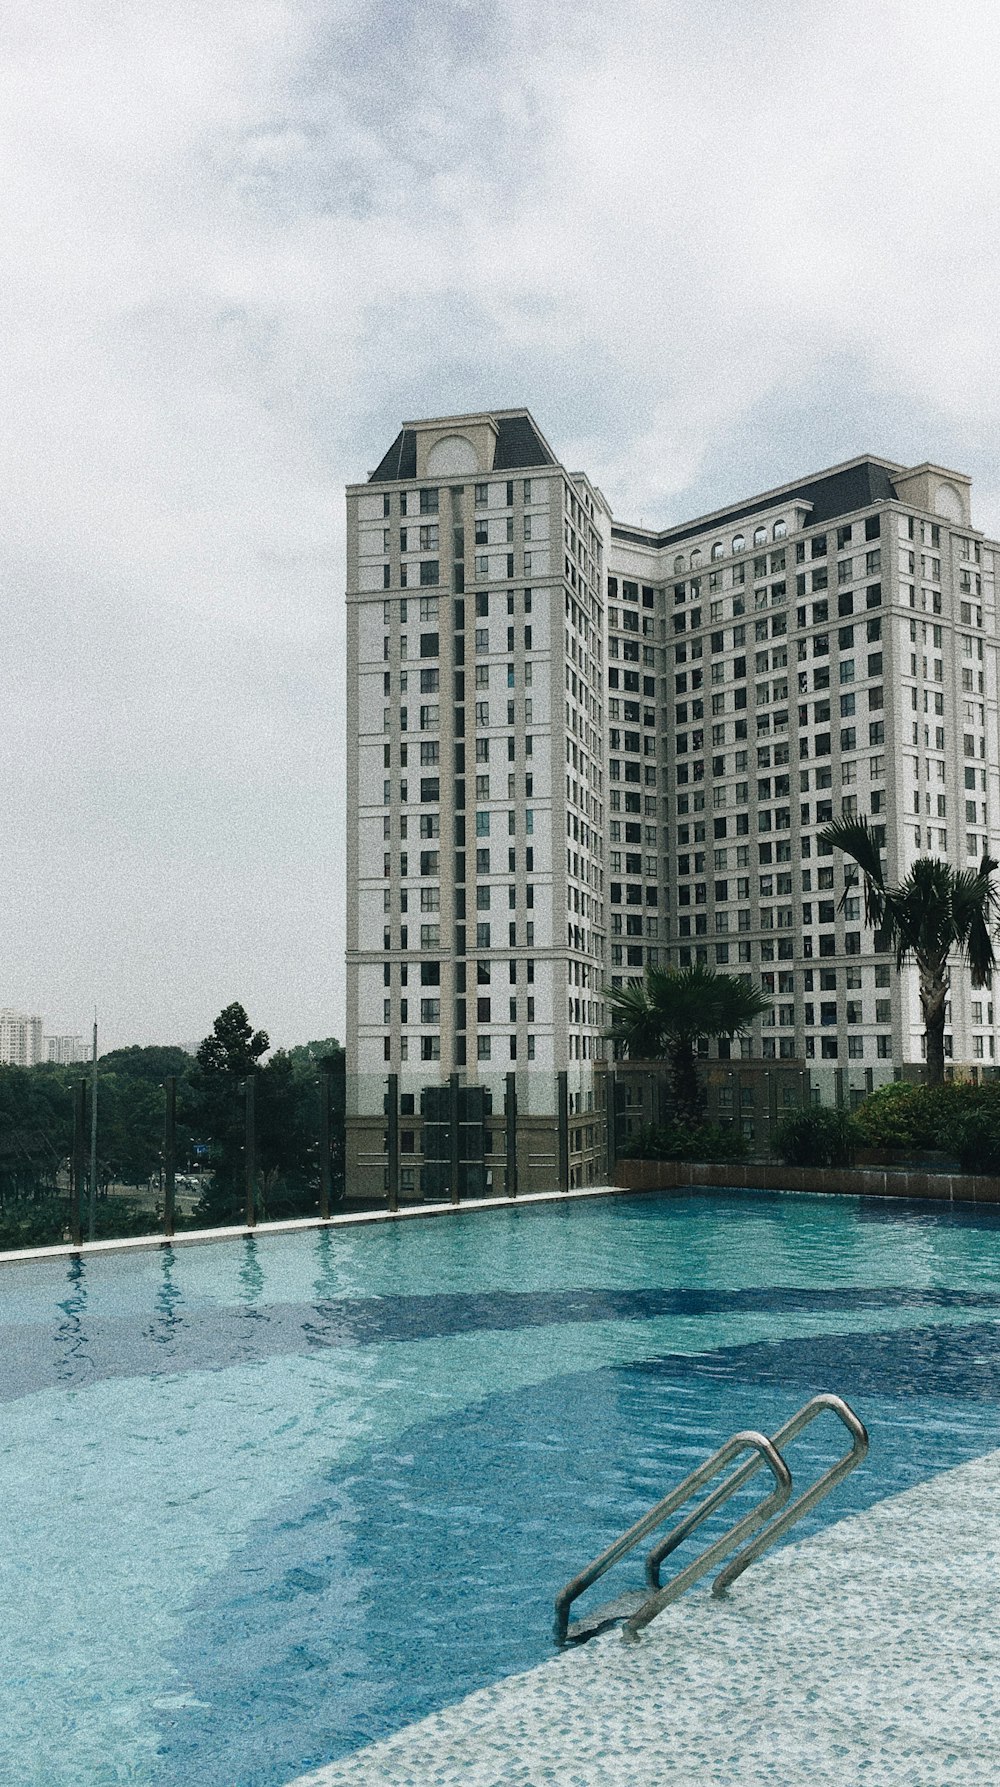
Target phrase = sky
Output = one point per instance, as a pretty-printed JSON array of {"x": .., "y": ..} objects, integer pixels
[{"x": 712, "y": 246}]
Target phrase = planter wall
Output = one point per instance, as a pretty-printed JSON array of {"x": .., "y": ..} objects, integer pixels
[{"x": 687, "y": 1175}]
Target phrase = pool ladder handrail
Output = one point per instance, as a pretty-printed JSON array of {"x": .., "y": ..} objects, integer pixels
[
  {"x": 768, "y": 1452},
  {"x": 627, "y": 1541}
]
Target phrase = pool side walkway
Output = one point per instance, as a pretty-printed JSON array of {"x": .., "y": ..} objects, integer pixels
[{"x": 868, "y": 1656}]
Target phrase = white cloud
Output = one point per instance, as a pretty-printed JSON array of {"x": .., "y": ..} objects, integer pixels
[{"x": 706, "y": 244}]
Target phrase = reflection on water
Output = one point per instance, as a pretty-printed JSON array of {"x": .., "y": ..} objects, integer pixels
[
  {"x": 74, "y": 1359},
  {"x": 168, "y": 1320},
  {"x": 250, "y": 1282},
  {"x": 328, "y": 1279}
]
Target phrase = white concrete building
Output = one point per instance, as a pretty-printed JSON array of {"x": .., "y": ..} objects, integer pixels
[
  {"x": 577, "y": 747},
  {"x": 65, "y": 1049},
  {"x": 20, "y": 1039},
  {"x": 476, "y": 769},
  {"x": 830, "y": 646}
]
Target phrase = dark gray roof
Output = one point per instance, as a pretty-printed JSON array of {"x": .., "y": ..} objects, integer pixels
[
  {"x": 400, "y": 461},
  {"x": 519, "y": 446},
  {"x": 831, "y": 494}
]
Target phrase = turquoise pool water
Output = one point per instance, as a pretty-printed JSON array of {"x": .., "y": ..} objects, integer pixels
[{"x": 268, "y": 1501}]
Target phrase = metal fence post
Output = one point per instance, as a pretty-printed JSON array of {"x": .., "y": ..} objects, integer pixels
[
  {"x": 325, "y": 1095},
  {"x": 392, "y": 1141},
  {"x": 510, "y": 1139},
  {"x": 562, "y": 1118},
  {"x": 611, "y": 1121},
  {"x": 453, "y": 1128},
  {"x": 79, "y": 1163},
  {"x": 250, "y": 1089},
  {"x": 169, "y": 1154}
]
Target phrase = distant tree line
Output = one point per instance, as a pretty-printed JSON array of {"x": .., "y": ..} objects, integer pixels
[{"x": 36, "y": 1129}]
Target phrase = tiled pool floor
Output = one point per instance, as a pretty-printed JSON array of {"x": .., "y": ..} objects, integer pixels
[{"x": 869, "y": 1653}]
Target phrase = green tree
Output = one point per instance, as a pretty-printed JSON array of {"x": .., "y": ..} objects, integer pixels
[
  {"x": 665, "y": 1016},
  {"x": 152, "y": 1063},
  {"x": 130, "y": 1110},
  {"x": 36, "y": 1128},
  {"x": 934, "y": 912},
  {"x": 234, "y": 1046},
  {"x": 309, "y": 1057},
  {"x": 224, "y": 1061}
]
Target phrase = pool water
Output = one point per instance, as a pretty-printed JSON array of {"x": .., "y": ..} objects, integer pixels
[{"x": 269, "y": 1501}]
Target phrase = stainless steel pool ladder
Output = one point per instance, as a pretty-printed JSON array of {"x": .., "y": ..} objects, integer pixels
[{"x": 637, "y": 1609}]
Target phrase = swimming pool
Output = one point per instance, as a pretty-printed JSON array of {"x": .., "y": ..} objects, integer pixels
[{"x": 268, "y": 1501}]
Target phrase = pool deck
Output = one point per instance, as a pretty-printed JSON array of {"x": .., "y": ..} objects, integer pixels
[{"x": 869, "y": 1654}]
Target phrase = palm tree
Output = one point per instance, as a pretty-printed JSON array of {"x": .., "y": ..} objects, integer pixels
[
  {"x": 934, "y": 910},
  {"x": 665, "y": 1015}
]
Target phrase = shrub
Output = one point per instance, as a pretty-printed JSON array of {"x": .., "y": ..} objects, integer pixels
[
  {"x": 686, "y": 1141},
  {"x": 971, "y": 1128},
  {"x": 819, "y": 1137},
  {"x": 958, "y": 1117},
  {"x": 893, "y": 1117}
]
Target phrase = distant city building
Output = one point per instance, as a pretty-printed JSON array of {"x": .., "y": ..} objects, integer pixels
[
  {"x": 578, "y": 748},
  {"x": 21, "y": 1042},
  {"x": 65, "y": 1049}
]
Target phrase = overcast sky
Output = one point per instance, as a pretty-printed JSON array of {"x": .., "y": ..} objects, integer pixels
[{"x": 711, "y": 246}]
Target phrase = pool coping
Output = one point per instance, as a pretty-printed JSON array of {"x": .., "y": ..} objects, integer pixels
[
  {"x": 294, "y": 1225},
  {"x": 684, "y": 1182},
  {"x": 683, "y": 1173}
]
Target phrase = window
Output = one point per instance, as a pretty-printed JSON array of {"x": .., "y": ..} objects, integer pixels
[{"x": 428, "y": 502}]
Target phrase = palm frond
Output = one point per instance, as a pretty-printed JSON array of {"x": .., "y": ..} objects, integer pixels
[
  {"x": 737, "y": 1002},
  {"x": 674, "y": 1007},
  {"x": 634, "y": 1026},
  {"x": 857, "y": 839},
  {"x": 921, "y": 910},
  {"x": 976, "y": 903}
]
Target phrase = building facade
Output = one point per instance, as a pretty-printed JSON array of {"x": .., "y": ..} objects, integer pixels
[
  {"x": 829, "y": 647},
  {"x": 577, "y": 748},
  {"x": 20, "y": 1039},
  {"x": 477, "y": 775},
  {"x": 65, "y": 1049}
]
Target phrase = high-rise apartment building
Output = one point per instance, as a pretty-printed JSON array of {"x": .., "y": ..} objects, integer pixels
[
  {"x": 65, "y": 1049},
  {"x": 477, "y": 771},
  {"x": 578, "y": 747},
  {"x": 20, "y": 1039}
]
